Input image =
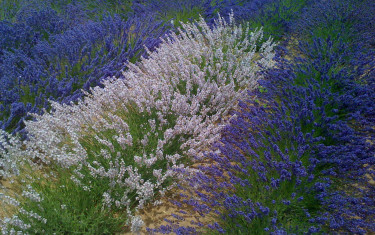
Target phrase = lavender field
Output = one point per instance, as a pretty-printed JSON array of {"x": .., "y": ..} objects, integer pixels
[{"x": 187, "y": 117}]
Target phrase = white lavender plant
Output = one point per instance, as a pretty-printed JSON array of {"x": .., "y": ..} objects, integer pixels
[{"x": 130, "y": 138}]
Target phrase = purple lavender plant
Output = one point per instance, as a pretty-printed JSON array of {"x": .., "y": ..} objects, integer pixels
[
  {"x": 294, "y": 160},
  {"x": 42, "y": 60}
]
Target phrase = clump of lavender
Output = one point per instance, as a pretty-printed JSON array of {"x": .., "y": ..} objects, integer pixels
[
  {"x": 126, "y": 144},
  {"x": 292, "y": 161}
]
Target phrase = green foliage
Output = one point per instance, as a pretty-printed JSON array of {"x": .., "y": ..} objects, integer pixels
[{"x": 66, "y": 207}]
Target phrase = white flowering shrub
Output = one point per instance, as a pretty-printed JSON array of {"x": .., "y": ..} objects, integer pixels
[{"x": 126, "y": 142}]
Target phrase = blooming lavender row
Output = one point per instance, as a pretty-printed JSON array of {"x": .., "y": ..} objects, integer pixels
[
  {"x": 133, "y": 136},
  {"x": 300, "y": 158},
  {"x": 37, "y": 65},
  {"x": 46, "y": 56}
]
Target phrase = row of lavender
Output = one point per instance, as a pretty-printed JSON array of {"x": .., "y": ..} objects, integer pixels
[
  {"x": 52, "y": 50},
  {"x": 305, "y": 129},
  {"x": 50, "y": 55},
  {"x": 299, "y": 156},
  {"x": 90, "y": 166}
]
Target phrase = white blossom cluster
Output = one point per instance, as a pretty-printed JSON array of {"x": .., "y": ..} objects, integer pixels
[
  {"x": 9, "y": 155},
  {"x": 179, "y": 96}
]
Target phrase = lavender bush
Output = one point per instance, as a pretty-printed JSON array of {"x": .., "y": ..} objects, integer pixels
[{"x": 126, "y": 143}]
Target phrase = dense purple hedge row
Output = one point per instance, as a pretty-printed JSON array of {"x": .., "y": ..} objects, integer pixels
[{"x": 44, "y": 57}]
